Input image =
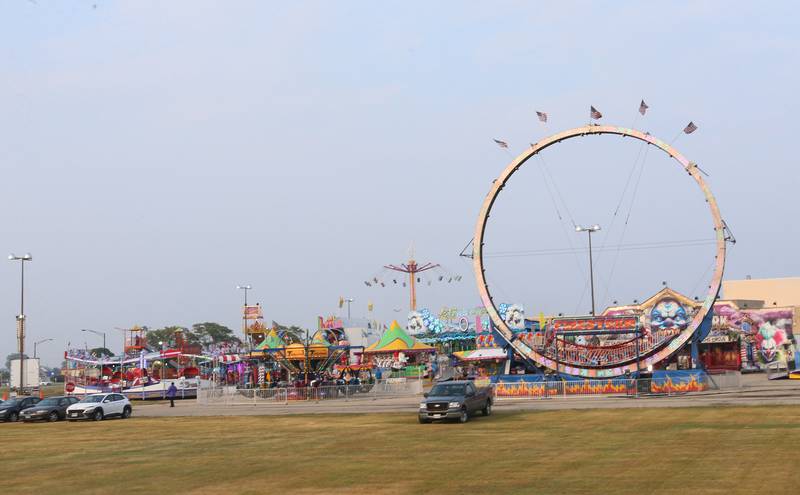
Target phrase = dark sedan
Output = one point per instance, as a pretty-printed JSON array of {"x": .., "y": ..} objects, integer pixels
[
  {"x": 49, "y": 409},
  {"x": 10, "y": 409}
]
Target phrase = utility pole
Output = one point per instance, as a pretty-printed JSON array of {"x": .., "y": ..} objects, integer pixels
[
  {"x": 37, "y": 343},
  {"x": 103, "y": 334},
  {"x": 245, "y": 288},
  {"x": 589, "y": 230},
  {"x": 21, "y": 317}
]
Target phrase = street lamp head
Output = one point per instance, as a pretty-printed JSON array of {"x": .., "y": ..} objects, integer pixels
[
  {"x": 248, "y": 287},
  {"x": 578, "y": 228},
  {"x": 595, "y": 228},
  {"x": 12, "y": 257}
]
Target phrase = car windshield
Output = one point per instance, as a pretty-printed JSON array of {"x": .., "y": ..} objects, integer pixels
[
  {"x": 93, "y": 398},
  {"x": 48, "y": 402},
  {"x": 443, "y": 390}
]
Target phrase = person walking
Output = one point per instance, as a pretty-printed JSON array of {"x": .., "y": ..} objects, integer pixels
[{"x": 171, "y": 391}]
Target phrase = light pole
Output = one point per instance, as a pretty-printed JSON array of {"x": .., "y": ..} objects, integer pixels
[
  {"x": 21, "y": 317},
  {"x": 589, "y": 230},
  {"x": 97, "y": 333},
  {"x": 37, "y": 343},
  {"x": 348, "y": 300},
  {"x": 245, "y": 288}
]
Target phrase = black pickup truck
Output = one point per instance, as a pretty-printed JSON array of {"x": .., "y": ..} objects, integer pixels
[{"x": 455, "y": 400}]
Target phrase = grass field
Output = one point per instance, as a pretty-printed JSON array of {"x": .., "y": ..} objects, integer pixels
[{"x": 696, "y": 450}]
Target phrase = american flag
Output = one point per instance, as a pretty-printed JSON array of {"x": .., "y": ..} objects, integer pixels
[
  {"x": 643, "y": 107},
  {"x": 502, "y": 144},
  {"x": 690, "y": 128},
  {"x": 542, "y": 116},
  {"x": 593, "y": 113}
]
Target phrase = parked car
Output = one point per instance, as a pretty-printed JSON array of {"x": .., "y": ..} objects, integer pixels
[
  {"x": 455, "y": 400},
  {"x": 49, "y": 409},
  {"x": 10, "y": 409},
  {"x": 99, "y": 407}
]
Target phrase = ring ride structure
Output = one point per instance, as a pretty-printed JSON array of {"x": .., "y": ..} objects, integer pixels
[{"x": 610, "y": 369}]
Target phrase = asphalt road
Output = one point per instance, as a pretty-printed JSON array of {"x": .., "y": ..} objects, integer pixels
[{"x": 756, "y": 390}]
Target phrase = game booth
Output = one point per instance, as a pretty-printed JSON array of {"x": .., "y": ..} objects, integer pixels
[
  {"x": 399, "y": 353},
  {"x": 487, "y": 360}
]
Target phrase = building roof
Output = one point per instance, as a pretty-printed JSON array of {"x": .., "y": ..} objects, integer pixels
[{"x": 773, "y": 291}]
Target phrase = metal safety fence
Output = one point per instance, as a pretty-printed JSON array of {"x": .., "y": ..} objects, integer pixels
[{"x": 384, "y": 389}]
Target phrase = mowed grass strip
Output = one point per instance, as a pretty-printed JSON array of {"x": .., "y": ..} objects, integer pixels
[{"x": 694, "y": 450}]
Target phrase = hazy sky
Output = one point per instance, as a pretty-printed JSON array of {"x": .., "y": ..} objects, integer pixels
[{"x": 157, "y": 154}]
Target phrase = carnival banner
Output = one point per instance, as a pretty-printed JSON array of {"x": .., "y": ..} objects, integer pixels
[
  {"x": 253, "y": 312},
  {"x": 606, "y": 323}
]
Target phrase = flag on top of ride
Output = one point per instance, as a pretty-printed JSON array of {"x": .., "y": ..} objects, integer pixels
[
  {"x": 502, "y": 144},
  {"x": 690, "y": 128},
  {"x": 643, "y": 107},
  {"x": 542, "y": 116},
  {"x": 593, "y": 113}
]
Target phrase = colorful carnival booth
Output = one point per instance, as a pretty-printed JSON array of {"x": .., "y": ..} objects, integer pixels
[
  {"x": 399, "y": 352},
  {"x": 485, "y": 361}
]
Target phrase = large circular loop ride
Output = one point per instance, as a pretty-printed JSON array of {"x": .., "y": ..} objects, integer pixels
[{"x": 658, "y": 351}]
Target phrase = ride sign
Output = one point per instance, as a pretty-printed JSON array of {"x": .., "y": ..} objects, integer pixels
[{"x": 622, "y": 324}]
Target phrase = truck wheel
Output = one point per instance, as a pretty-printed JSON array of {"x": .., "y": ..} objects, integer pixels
[
  {"x": 464, "y": 417},
  {"x": 487, "y": 409},
  {"x": 423, "y": 420}
]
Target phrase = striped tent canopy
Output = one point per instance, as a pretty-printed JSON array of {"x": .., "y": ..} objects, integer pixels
[
  {"x": 494, "y": 353},
  {"x": 229, "y": 358},
  {"x": 395, "y": 339}
]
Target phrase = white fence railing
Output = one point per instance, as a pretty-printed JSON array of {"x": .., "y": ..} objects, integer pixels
[{"x": 228, "y": 395}]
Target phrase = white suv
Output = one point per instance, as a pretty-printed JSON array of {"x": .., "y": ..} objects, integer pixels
[{"x": 99, "y": 406}]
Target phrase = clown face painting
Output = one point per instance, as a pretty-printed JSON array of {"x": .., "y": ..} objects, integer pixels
[
  {"x": 668, "y": 314},
  {"x": 770, "y": 339}
]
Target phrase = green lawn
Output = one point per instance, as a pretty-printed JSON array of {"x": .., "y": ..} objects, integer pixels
[
  {"x": 48, "y": 390},
  {"x": 693, "y": 450}
]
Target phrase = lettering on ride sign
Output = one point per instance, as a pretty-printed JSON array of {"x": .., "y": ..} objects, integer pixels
[{"x": 604, "y": 323}]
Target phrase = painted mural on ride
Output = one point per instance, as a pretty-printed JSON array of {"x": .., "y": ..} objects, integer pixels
[{"x": 766, "y": 335}]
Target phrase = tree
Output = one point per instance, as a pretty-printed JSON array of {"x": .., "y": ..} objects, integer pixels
[
  {"x": 291, "y": 334},
  {"x": 167, "y": 336},
  {"x": 101, "y": 352},
  {"x": 13, "y": 355},
  {"x": 214, "y": 333}
]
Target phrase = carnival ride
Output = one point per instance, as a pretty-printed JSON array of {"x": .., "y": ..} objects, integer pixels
[
  {"x": 139, "y": 372},
  {"x": 297, "y": 359},
  {"x": 635, "y": 346},
  {"x": 414, "y": 271}
]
